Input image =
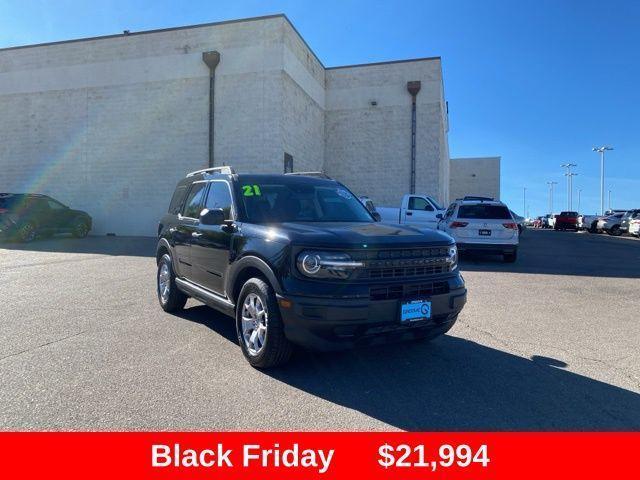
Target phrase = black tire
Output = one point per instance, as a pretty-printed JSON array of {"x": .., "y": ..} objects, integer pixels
[
  {"x": 276, "y": 348},
  {"x": 510, "y": 257},
  {"x": 27, "y": 232},
  {"x": 615, "y": 231},
  {"x": 80, "y": 228},
  {"x": 174, "y": 299}
]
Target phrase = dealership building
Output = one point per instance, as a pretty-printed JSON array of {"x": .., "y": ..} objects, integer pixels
[{"x": 110, "y": 124}]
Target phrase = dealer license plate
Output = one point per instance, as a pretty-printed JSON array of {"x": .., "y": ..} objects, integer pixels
[
  {"x": 415, "y": 311},
  {"x": 485, "y": 232}
]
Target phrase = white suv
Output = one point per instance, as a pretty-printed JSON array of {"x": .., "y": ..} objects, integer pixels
[{"x": 482, "y": 225}]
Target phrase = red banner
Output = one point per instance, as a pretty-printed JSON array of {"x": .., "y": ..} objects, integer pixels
[{"x": 328, "y": 456}]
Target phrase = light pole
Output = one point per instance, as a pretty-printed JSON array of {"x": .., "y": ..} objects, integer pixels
[
  {"x": 569, "y": 176},
  {"x": 579, "y": 192},
  {"x": 609, "y": 199},
  {"x": 601, "y": 151},
  {"x": 551, "y": 184}
]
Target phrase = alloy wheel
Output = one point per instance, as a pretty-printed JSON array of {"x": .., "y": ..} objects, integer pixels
[
  {"x": 164, "y": 282},
  {"x": 254, "y": 324}
]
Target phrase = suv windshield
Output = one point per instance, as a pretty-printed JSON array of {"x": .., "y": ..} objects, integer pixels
[
  {"x": 273, "y": 200},
  {"x": 485, "y": 212},
  {"x": 7, "y": 202}
]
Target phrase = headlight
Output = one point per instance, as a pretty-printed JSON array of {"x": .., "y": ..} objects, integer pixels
[
  {"x": 316, "y": 264},
  {"x": 452, "y": 257}
]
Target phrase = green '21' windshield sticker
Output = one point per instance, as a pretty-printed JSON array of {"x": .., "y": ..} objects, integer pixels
[{"x": 251, "y": 190}]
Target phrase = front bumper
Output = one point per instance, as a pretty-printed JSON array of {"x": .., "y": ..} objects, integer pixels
[{"x": 324, "y": 324}]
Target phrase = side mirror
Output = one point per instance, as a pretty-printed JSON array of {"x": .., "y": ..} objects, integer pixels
[
  {"x": 215, "y": 216},
  {"x": 439, "y": 216},
  {"x": 376, "y": 216}
]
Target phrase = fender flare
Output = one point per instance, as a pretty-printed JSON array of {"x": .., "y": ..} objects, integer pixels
[{"x": 251, "y": 261}]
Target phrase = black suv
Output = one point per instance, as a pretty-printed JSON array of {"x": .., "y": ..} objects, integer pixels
[
  {"x": 299, "y": 260},
  {"x": 25, "y": 216}
]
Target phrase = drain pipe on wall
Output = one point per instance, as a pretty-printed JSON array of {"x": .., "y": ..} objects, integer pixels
[
  {"x": 413, "y": 88},
  {"x": 212, "y": 59}
]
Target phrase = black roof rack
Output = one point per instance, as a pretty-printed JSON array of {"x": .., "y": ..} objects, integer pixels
[{"x": 473, "y": 197}]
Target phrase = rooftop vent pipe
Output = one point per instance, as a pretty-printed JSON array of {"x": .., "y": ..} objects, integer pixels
[
  {"x": 413, "y": 88},
  {"x": 211, "y": 59}
]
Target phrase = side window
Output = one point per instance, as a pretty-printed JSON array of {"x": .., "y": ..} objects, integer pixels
[
  {"x": 53, "y": 205},
  {"x": 219, "y": 197},
  {"x": 419, "y": 203},
  {"x": 193, "y": 205},
  {"x": 176, "y": 200}
]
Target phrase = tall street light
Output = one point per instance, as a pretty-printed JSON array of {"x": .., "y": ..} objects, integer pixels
[
  {"x": 569, "y": 176},
  {"x": 579, "y": 192},
  {"x": 601, "y": 151},
  {"x": 551, "y": 184},
  {"x": 609, "y": 199}
]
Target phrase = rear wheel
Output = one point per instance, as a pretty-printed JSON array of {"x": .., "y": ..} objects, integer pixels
[
  {"x": 615, "y": 231},
  {"x": 171, "y": 299},
  {"x": 510, "y": 257},
  {"x": 259, "y": 326}
]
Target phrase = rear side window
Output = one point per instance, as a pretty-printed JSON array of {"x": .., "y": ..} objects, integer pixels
[
  {"x": 176, "y": 200},
  {"x": 193, "y": 204},
  {"x": 484, "y": 212},
  {"x": 220, "y": 197}
]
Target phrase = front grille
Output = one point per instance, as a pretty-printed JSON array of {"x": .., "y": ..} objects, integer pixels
[
  {"x": 398, "y": 264},
  {"x": 407, "y": 291}
]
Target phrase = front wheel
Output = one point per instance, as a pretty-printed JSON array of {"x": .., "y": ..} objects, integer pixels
[
  {"x": 27, "y": 232},
  {"x": 615, "y": 231},
  {"x": 80, "y": 229},
  {"x": 259, "y": 326},
  {"x": 171, "y": 299}
]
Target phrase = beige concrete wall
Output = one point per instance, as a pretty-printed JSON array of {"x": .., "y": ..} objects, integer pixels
[
  {"x": 475, "y": 176},
  {"x": 368, "y": 147},
  {"x": 110, "y": 125}
]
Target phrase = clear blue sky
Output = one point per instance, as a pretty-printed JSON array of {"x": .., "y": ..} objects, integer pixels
[{"x": 536, "y": 82}]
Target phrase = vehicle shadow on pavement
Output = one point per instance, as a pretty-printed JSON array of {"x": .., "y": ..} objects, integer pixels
[
  {"x": 101, "y": 245},
  {"x": 565, "y": 253},
  {"x": 456, "y": 384}
]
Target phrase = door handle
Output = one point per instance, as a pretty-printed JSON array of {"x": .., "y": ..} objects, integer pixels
[
  {"x": 409, "y": 214},
  {"x": 196, "y": 234}
]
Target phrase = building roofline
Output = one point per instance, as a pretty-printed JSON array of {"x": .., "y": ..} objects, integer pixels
[
  {"x": 388, "y": 62},
  {"x": 213, "y": 24},
  {"x": 144, "y": 32}
]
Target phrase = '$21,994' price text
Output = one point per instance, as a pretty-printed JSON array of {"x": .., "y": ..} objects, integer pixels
[{"x": 405, "y": 456}]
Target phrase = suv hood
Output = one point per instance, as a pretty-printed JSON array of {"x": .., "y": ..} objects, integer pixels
[{"x": 347, "y": 234}]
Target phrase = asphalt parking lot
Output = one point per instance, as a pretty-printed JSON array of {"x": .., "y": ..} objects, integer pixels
[{"x": 549, "y": 343}]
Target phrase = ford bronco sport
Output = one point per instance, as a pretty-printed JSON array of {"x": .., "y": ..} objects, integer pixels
[{"x": 299, "y": 260}]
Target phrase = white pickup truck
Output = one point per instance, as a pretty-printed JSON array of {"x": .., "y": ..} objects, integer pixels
[{"x": 415, "y": 209}]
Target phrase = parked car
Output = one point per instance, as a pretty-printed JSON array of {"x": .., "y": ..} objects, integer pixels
[
  {"x": 566, "y": 220},
  {"x": 484, "y": 226},
  {"x": 548, "y": 221},
  {"x": 538, "y": 222},
  {"x": 611, "y": 224},
  {"x": 519, "y": 220},
  {"x": 299, "y": 260},
  {"x": 626, "y": 219},
  {"x": 634, "y": 227},
  {"x": 420, "y": 210},
  {"x": 26, "y": 216}
]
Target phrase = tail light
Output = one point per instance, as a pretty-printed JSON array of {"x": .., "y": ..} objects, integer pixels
[
  {"x": 458, "y": 224},
  {"x": 4, "y": 210},
  {"x": 512, "y": 226}
]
